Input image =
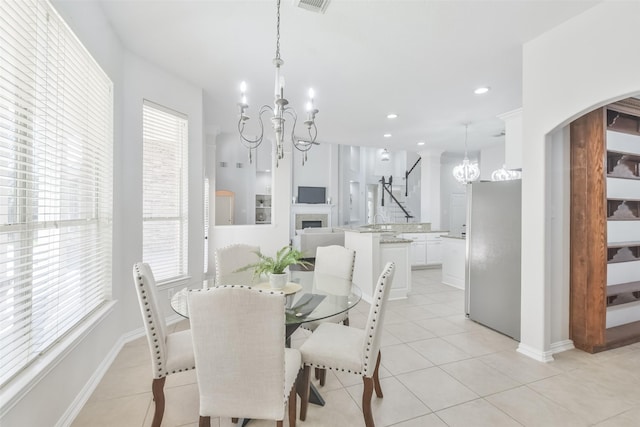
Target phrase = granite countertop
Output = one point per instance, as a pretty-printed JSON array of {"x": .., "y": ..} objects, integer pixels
[
  {"x": 426, "y": 231},
  {"x": 454, "y": 237},
  {"x": 393, "y": 239},
  {"x": 424, "y": 227}
]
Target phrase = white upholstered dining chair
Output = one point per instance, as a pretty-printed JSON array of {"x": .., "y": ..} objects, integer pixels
[
  {"x": 231, "y": 258},
  {"x": 170, "y": 353},
  {"x": 337, "y": 261},
  {"x": 243, "y": 367},
  {"x": 343, "y": 348}
]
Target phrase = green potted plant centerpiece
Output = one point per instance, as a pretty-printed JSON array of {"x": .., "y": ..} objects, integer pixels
[{"x": 275, "y": 268}]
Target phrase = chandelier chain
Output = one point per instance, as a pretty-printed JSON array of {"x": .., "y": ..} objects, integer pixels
[{"x": 278, "y": 33}]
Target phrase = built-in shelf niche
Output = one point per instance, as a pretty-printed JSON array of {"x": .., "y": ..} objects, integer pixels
[
  {"x": 605, "y": 231},
  {"x": 623, "y": 165},
  {"x": 623, "y": 293},
  {"x": 623, "y": 253},
  {"x": 623, "y": 210},
  {"x": 263, "y": 209},
  {"x": 622, "y": 122}
]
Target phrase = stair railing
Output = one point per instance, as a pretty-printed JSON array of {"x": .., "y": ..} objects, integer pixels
[
  {"x": 387, "y": 186},
  {"x": 406, "y": 177}
]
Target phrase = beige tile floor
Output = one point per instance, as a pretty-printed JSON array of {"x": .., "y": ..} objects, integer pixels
[{"x": 438, "y": 369}]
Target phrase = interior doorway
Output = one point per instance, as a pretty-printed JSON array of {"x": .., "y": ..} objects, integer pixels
[{"x": 225, "y": 202}]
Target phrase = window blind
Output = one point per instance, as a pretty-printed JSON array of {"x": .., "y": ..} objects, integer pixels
[
  {"x": 165, "y": 191},
  {"x": 206, "y": 225},
  {"x": 56, "y": 144}
]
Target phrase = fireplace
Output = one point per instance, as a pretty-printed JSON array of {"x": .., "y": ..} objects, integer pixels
[
  {"x": 307, "y": 220},
  {"x": 312, "y": 224}
]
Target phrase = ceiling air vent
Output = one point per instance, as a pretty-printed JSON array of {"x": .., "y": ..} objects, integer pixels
[{"x": 312, "y": 5}]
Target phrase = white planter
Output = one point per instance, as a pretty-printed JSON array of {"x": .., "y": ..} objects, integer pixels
[{"x": 278, "y": 281}]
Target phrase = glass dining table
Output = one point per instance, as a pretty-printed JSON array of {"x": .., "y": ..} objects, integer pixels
[{"x": 310, "y": 296}]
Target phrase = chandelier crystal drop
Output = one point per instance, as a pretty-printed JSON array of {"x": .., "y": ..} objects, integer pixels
[
  {"x": 466, "y": 171},
  {"x": 278, "y": 111}
]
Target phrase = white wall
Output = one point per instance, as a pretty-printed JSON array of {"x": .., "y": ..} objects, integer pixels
[
  {"x": 65, "y": 386},
  {"x": 568, "y": 71},
  {"x": 142, "y": 80},
  {"x": 449, "y": 185},
  {"x": 238, "y": 175},
  {"x": 316, "y": 171},
  {"x": 431, "y": 207},
  {"x": 491, "y": 158}
]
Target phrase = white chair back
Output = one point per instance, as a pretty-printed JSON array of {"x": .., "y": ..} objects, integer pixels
[
  {"x": 238, "y": 337},
  {"x": 373, "y": 328},
  {"x": 154, "y": 323},
  {"x": 231, "y": 258},
  {"x": 335, "y": 260}
]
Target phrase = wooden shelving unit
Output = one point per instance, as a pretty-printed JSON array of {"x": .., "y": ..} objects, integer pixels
[{"x": 605, "y": 227}]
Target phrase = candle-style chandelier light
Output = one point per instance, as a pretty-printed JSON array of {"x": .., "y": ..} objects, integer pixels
[
  {"x": 279, "y": 111},
  {"x": 466, "y": 171}
]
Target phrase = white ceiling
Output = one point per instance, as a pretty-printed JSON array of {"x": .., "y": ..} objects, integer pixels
[{"x": 419, "y": 59}]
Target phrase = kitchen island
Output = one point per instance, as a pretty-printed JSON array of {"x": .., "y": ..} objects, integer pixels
[{"x": 375, "y": 247}]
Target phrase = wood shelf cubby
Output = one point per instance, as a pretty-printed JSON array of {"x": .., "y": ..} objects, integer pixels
[
  {"x": 623, "y": 165},
  {"x": 623, "y": 293},
  {"x": 605, "y": 269},
  {"x": 623, "y": 210},
  {"x": 623, "y": 253}
]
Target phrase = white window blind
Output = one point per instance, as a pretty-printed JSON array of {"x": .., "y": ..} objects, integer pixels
[
  {"x": 206, "y": 225},
  {"x": 165, "y": 191},
  {"x": 56, "y": 144}
]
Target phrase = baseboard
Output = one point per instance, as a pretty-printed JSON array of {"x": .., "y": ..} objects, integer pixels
[
  {"x": 81, "y": 399},
  {"x": 540, "y": 356},
  {"x": 560, "y": 346}
]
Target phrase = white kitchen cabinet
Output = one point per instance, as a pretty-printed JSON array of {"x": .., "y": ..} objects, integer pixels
[
  {"x": 418, "y": 250},
  {"x": 426, "y": 248},
  {"x": 453, "y": 261},
  {"x": 397, "y": 253},
  {"x": 434, "y": 248}
]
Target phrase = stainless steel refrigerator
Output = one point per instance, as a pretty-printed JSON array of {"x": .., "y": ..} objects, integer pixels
[{"x": 492, "y": 279}]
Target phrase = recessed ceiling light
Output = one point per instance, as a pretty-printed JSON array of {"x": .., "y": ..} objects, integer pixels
[
  {"x": 387, "y": 135},
  {"x": 481, "y": 90},
  {"x": 421, "y": 143},
  {"x": 392, "y": 116}
]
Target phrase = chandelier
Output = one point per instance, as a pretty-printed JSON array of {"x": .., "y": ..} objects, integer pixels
[
  {"x": 504, "y": 174},
  {"x": 466, "y": 171},
  {"x": 278, "y": 112}
]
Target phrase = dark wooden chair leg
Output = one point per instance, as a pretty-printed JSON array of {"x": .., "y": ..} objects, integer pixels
[
  {"x": 279, "y": 423},
  {"x": 304, "y": 396},
  {"x": 157, "y": 388},
  {"x": 292, "y": 407},
  {"x": 317, "y": 370},
  {"x": 376, "y": 378},
  {"x": 323, "y": 376},
  {"x": 234, "y": 420},
  {"x": 366, "y": 401},
  {"x": 204, "y": 421}
]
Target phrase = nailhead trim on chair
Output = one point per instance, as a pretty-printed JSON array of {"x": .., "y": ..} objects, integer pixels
[
  {"x": 368, "y": 348},
  {"x": 159, "y": 372}
]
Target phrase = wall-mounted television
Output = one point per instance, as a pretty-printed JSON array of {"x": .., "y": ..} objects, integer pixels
[{"x": 312, "y": 194}]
